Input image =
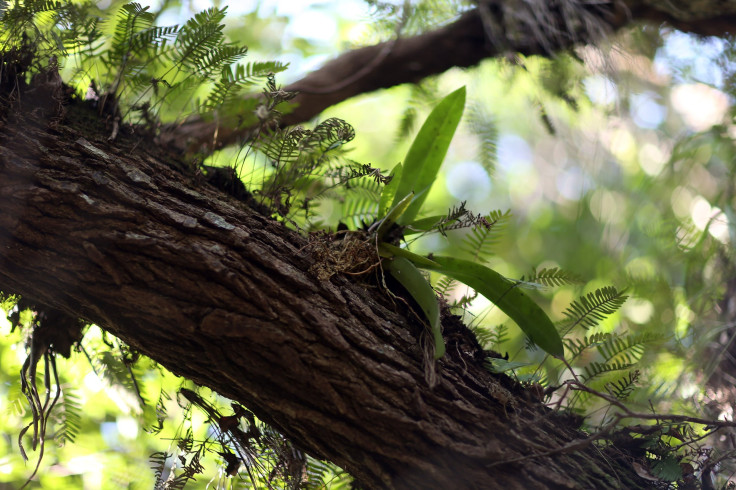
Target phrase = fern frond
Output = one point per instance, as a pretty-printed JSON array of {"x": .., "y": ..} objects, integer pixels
[
  {"x": 490, "y": 337},
  {"x": 360, "y": 204},
  {"x": 362, "y": 182},
  {"x": 552, "y": 277},
  {"x": 598, "y": 368},
  {"x": 23, "y": 13},
  {"x": 157, "y": 462},
  {"x": 455, "y": 219},
  {"x": 445, "y": 285},
  {"x": 261, "y": 69},
  {"x": 68, "y": 417},
  {"x": 465, "y": 300},
  {"x": 297, "y": 155},
  {"x": 330, "y": 134},
  {"x": 78, "y": 29},
  {"x": 501, "y": 333},
  {"x": 33, "y": 7},
  {"x": 137, "y": 80},
  {"x": 199, "y": 36},
  {"x": 117, "y": 373},
  {"x": 359, "y": 212},
  {"x": 529, "y": 344},
  {"x": 407, "y": 122},
  {"x": 622, "y": 388},
  {"x": 217, "y": 57},
  {"x": 154, "y": 38},
  {"x": 186, "y": 442},
  {"x": 576, "y": 347},
  {"x": 316, "y": 473},
  {"x": 180, "y": 481},
  {"x": 344, "y": 173},
  {"x": 421, "y": 95},
  {"x": 482, "y": 238},
  {"x": 484, "y": 127},
  {"x": 32, "y": 20},
  {"x": 232, "y": 81},
  {"x": 159, "y": 413},
  {"x": 593, "y": 308},
  {"x": 15, "y": 400},
  {"x": 281, "y": 147},
  {"x": 132, "y": 19},
  {"x": 133, "y": 34},
  {"x": 627, "y": 348}
]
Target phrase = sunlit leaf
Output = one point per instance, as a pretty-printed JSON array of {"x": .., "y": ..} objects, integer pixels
[
  {"x": 423, "y": 161},
  {"x": 389, "y": 191},
  {"x": 508, "y": 297}
]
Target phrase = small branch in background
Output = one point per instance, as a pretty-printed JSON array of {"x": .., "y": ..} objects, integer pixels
[
  {"x": 606, "y": 429},
  {"x": 462, "y": 43}
]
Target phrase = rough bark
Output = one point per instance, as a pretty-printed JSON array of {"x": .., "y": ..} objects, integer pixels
[
  {"x": 223, "y": 296},
  {"x": 498, "y": 28}
]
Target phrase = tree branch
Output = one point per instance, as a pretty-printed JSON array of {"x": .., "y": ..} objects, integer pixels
[{"x": 493, "y": 29}]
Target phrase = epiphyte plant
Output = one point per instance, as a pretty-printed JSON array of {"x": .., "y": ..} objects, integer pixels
[{"x": 400, "y": 204}]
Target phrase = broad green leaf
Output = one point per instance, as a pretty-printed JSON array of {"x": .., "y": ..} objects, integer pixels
[
  {"x": 422, "y": 225},
  {"x": 388, "y": 250},
  {"x": 423, "y": 161},
  {"x": 389, "y": 190},
  {"x": 404, "y": 271},
  {"x": 508, "y": 297},
  {"x": 393, "y": 215}
]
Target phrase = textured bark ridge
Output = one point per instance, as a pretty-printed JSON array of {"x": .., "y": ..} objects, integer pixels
[{"x": 220, "y": 295}]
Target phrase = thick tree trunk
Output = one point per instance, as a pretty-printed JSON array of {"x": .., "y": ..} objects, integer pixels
[{"x": 223, "y": 296}]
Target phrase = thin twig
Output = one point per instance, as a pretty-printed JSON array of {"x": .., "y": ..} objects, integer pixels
[{"x": 606, "y": 429}]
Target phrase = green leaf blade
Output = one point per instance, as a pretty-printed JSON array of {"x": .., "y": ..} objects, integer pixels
[
  {"x": 393, "y": 215},
  {"x": 404, "y": 271},
  {"x": 388, "y": 250},
  {"x": 423, "y": 161},
  {"x": 527, "y": 314},
  {"x": 389, "y": 191}
]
